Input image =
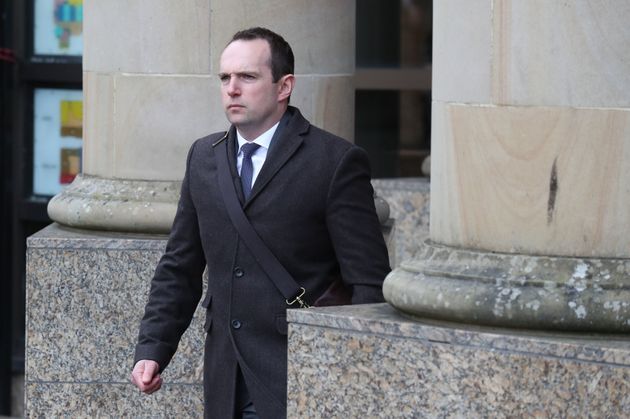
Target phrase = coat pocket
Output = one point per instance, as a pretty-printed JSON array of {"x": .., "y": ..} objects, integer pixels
[
  {"x": 208, "y": 323},
  {"x": 281, "y": 324},
  {"x": 207, "y": 303}
]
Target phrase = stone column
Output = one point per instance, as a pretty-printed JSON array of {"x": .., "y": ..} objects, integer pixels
[
  {"x": 151, "y": 89},
  {"x": 530, "y": 168}
]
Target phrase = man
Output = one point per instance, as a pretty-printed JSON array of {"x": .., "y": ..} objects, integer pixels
[{"x": 308, "y": 196}]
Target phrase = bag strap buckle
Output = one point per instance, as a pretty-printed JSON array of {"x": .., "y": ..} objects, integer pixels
[{"x": 299, "y": 300}]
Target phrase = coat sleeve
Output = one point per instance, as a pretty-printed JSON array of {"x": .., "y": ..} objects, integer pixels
[
  {"x": 355, "y": 230},
  {"x": 176, "y": 286}
]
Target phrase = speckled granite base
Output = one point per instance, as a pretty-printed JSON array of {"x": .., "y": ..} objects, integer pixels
[
  {"x": 85, "y": 295},
  {"x": 113, "y": 400},
  {"x": 408, "y": 200},
  {"x": 369, "y": 361}
]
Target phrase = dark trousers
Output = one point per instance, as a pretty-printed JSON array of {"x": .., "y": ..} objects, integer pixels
[{"x": 244, "y": 407}]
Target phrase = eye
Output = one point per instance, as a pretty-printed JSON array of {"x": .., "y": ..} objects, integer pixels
[
  {"x": 248, "y": 77},
  {"x": 224, "y": 78}
]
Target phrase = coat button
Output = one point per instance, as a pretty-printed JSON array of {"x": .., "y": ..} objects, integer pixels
[
  {"x": 236, "y": 324},
  {"x": 238, "y": 272}
]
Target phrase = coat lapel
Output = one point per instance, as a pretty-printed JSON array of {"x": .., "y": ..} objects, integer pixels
[{"x": 283, "y": 146}]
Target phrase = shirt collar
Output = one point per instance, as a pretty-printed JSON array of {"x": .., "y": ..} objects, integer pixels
[{"x": 264, "y": 140}]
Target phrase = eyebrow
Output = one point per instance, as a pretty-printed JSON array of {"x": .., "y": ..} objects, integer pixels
[{"x": 238, "y": 73}]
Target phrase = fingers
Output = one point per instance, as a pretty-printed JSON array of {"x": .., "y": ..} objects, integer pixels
[
  {"x": 150, "y": 371},
  {"x": 153, "y": 386},
  {"x": 146, "y": 377}
]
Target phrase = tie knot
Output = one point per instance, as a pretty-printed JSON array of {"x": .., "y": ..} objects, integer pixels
[{"x": 248, "y": 149}]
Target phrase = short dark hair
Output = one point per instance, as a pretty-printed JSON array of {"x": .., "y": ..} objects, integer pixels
[{"x": 282, "y": 60}]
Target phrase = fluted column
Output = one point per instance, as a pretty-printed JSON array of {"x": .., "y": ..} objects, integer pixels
[
  {"x": 530, "y": 167},
  {"x": 150, "y": 90}
]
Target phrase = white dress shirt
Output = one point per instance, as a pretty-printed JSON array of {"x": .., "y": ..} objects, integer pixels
[{"x": 259, "y": 156}]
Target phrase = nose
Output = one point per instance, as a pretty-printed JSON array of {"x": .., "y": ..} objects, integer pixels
[{"x": 232, "y": 87}]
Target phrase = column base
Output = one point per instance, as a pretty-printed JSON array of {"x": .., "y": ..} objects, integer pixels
[
  {"x": 133, "y": 206},
  {"x": 512, "y": 290},
  {"x": 117, "y": 205}
]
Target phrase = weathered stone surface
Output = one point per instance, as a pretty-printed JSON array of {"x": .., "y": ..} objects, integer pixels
[
  {"x": 140, "y": 36},
  {"x": 126, "y": 135},
  {"x": 120, "y": 205},
  {"x": 465, "y": 40},
  {"x": 554, "y": 53},
  {"x": 368, "y": 361},
  {"x": 156, "y": 119},
  {"x": 511, "y": 290},
  {"x": 535, "y": 180},
  {"x": 531, "y": 53}
]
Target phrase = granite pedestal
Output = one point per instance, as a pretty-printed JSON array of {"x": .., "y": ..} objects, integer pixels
[
  {"x": 370, "y": 361},
  {"x": 85, "y": 295}
]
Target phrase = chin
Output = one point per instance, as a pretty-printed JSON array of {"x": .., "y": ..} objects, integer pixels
[{"x": 234, "y": 118}]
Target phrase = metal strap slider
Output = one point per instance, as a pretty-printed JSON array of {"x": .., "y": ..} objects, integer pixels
[{"x": 298, "y": 299}]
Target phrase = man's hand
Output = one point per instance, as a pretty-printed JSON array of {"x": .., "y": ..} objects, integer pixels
[{"x": 146, "y": 377}]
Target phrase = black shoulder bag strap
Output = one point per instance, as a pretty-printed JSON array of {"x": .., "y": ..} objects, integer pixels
[{"x": 282, "y": 279}]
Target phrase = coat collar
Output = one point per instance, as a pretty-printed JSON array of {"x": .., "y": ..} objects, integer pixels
[{"x": 286, "y": 141}]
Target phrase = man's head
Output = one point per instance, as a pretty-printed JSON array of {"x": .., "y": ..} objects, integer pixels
[
  {"x": 282, "y": 60},
  {"x": 256, "y": 73}
]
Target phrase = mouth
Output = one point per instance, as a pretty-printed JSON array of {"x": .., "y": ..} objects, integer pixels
[{"x": 235, "y": 106}]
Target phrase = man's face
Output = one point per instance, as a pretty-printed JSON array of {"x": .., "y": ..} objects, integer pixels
[{"x": 251, "y": 100}]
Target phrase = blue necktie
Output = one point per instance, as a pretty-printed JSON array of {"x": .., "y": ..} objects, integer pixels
[{"x": 247, "y": 168}]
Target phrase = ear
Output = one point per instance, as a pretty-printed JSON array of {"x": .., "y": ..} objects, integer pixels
[{"x": 285, "y": 86}]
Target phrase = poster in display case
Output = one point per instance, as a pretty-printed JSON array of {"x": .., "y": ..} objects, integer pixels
[
  {"x": 57, "y": 139},
  {"x": 58, "y": 27}
]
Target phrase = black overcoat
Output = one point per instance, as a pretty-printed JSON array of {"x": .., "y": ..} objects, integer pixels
[{"x": 312, "y": 204}]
